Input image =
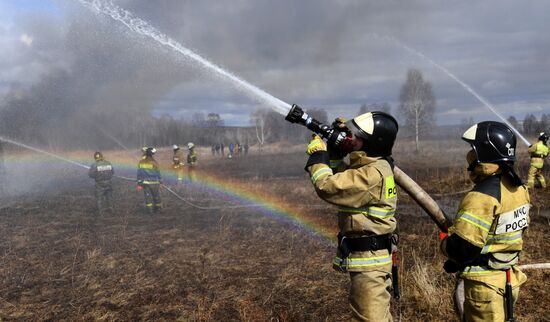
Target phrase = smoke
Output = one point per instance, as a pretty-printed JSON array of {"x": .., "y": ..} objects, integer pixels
[{"x": 67, "y": 72}]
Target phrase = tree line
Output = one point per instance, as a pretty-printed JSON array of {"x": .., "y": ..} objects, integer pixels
[{"x": 38, "y": 117}]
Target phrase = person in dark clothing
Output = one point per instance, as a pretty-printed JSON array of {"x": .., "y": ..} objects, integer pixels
[{"x": 102, "y": 171}]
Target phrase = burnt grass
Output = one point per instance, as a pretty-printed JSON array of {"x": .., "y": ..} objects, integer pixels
[{"x": 61, "y": 261}]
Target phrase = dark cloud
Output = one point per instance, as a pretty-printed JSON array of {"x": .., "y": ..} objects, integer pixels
[{"x": 318, "y": 53}]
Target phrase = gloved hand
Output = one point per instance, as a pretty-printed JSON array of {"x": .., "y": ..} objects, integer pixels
[
  {"x": 335, "y": 153},
  {"x": 316, "y": 144},
  {"x": 451, "y": 266},
  {"x": 340, "y": 124}
]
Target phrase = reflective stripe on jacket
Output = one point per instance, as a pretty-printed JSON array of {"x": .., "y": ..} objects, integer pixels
[
  {"x": 538, "y": 152},
  {"x": 101, "y": 170},
  {"x": 493, "y": 217},
  {"x": 148, "y": 171},
  {"x": 366, "y": 194}
]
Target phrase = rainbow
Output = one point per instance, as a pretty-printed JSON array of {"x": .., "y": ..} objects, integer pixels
[{"x": 234, "y": 191}]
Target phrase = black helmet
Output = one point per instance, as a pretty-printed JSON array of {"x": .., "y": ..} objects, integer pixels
[
  {"x": 378, "y": 131},
  {"x": 149, "y": 151},
  {"x": 543, "y": 137},
  {"x": 493, "y": 142},
  {"x": 98, "y": 156}
]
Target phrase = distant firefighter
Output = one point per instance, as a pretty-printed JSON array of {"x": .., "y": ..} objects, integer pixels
[
  {"x": 231, "y": 149},
  {"x": 102, "y": 171},
  {"x": 149, "y": 180},
  {"x": 538, "y": 152},
  {"x": 191, "y": 161},
  {"x": 177, "y": 163}
]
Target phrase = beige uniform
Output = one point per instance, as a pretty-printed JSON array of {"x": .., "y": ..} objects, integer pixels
[
  {"x": 491, "y": 217},
  {"x": 365, "y": 192},
  {"x": 178, "y": 165},
  {"x": 538, "y": 152}
]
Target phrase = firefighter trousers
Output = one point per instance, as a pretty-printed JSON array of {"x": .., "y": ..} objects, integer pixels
[
  {"x": 370, "y": 295},
  {"x": 103, "y": 196},
  {"x": 485, "y": 304},
  {"x": 152, "y": 196},
  {"x": 533, "y": 175}
]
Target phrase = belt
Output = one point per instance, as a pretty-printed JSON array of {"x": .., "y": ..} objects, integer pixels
[{"x": 367, "y": 243}]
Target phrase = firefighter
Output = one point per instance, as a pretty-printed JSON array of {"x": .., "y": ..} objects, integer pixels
[
  {"x": 538, "y": 152},
  {"x": 191, "y": 161},
  {"x": 365, "y": 192},
  {"x": 485, "y": 239},
  {"x": 102, "y": 171},
  {"x": 149, "y": 180},
  {"x": 177, "y": 163}
]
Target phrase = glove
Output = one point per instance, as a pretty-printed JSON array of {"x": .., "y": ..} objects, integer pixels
[
  {"x": 316, "y": 144},
  {"x": 335, "y": 153},
  {"x": 340, "y": 124},
  {"x": 452, "y": 267},
  {"x": 139, "y": 187}
]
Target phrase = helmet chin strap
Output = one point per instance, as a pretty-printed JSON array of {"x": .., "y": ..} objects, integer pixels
[{"x": 509, "y": 169}]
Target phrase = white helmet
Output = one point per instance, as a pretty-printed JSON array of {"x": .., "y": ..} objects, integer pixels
[
  {"x": 190, "y": 145},
  {"x": 175, "y": 147}
]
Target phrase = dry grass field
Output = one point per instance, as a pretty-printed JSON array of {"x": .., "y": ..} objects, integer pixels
[{"x": 59, "y": 261}]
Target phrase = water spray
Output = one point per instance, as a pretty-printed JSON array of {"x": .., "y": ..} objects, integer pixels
[
  {"x": 480, "y": 98},
  {"x": 144, "y": 28},
  {"x": 43, "y": 152}
]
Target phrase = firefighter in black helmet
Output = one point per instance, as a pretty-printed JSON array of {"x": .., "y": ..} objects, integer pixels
[
  {"x": 486, "y": 238},
  {"x": 365, "y": 192},
  {"x": 102, "y": 171},
  {"x": 149, "y": 180},
  {"x": 538, "y": 152}
]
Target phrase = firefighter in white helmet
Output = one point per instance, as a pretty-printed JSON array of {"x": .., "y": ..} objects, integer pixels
[
  {"x": 485, "y": 240},
  {"x": 365, "y": 192},
  {"x": 177, "y": 163},
  {"x": 538, "y": 152},
  {"x": 191, "y": 161}
]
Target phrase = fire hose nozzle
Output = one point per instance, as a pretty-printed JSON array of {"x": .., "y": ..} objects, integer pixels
[{"x": 296, "y": 115}]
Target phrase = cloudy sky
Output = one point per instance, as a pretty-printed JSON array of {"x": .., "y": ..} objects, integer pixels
[{"x": 326, "y": 54}]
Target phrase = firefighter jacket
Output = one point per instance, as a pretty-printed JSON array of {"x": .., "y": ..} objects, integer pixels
[
  {"x": 192, "y": 157},
  {"x": 177, "y": 159},
  {"x": 538, "y": 152},
  {"x": 101, "y": 171},
  {"x": 487, "y": 234},
  {"x": 148, "y": 171},
  {"x": 367, "y": 199}
]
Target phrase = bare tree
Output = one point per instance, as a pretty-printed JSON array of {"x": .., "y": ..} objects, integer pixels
[
  {"x": 513, "y": 121},
  {"x": 530, "y": 124},
  {"x": 417, "y": 104},
  {"x": 258, "y": 118}
]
